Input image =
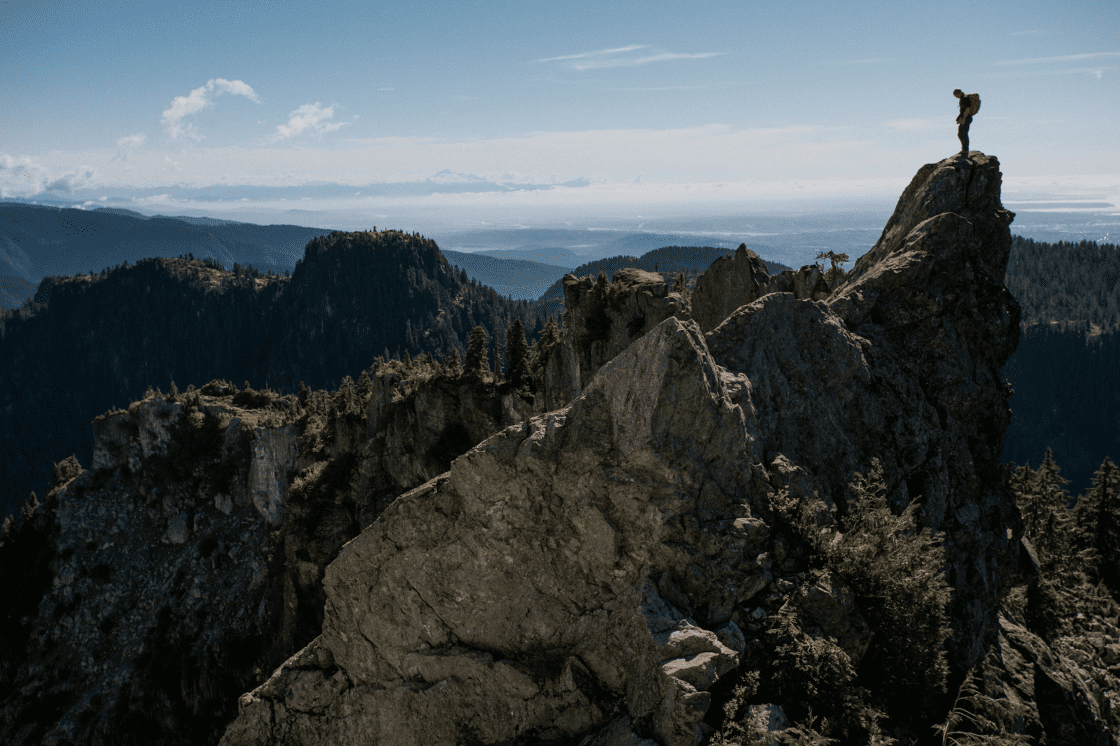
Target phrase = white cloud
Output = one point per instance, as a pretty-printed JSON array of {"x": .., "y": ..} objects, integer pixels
[
  {"x": 26, "y": 177},
  {"x": 129, "y": 141},
  {"x": 617, "y": 58},
  {"x": 197, "y": 100},
  {"x": 309, "y": 117},
  {"x": 126, "y": 142}
]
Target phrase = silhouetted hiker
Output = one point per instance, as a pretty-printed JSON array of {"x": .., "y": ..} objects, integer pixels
[{"x": 970, "y": 104}]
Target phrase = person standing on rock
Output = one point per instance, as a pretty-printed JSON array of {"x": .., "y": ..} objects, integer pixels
[{"x": 970, "y": 104}]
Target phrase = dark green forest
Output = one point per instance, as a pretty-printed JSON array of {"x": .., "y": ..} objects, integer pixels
[
  {"x": 1064, "y": 372},
  {"x": 89, "y": 343}
]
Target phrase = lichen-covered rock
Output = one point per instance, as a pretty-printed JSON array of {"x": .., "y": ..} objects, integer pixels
[
  {"x": 828, "y": 608},
  {"x": 274, "y": 461},
  {"x": 806, "y": 283},
  {"x": 161, "y": 575},
  {"x": 132, "y": 439}
]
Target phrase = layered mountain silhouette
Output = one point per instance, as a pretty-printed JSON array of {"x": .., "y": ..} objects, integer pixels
[
  {"x": 91, "y": 343},
  {"x": 793, "y": 513},
  {"x": 38, "y": 241}
]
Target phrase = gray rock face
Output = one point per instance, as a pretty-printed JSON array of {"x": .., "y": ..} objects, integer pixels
[
  {"x": 539, "y": 539},
  {"x": 728, "y": 283},
  {"x": 606, "y": 318},
  {"x": 159, "y": 579},
  {"x": 274, "y": 462},
  {"x": 1050, "y": 697},
  {"x": 589, "y": 560}
]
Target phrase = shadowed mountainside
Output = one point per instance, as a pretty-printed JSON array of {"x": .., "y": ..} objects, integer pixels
[{"x": 96, "y": 342}]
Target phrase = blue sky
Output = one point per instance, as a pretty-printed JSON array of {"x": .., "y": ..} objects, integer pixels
[{"x": 731, "y": 103}]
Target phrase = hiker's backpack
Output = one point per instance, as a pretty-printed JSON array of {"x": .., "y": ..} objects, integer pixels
[{"x": 973, "y": 104}]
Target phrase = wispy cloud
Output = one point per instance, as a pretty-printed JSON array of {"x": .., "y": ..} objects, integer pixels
[
  {"x": 621, "y": 57},
  {"x": 1065, "y": 58},
  {"x": 308, "y": 118},
  {"x": 1096, "y": 71},
  {"x": 127, "y": 142},
  {"x": 197, "y": 100},
  {"x": 599, "y": 53},
  {"x": 907, "y": 124}
]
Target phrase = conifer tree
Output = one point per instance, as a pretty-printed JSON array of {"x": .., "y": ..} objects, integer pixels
[
  {"x": 519, "y": 374},
  {"x": 365, "y": 387},
  {"x": 897, "y": 571},
  {"x": 453, "y": 364},
  {"x": 1099, "y": 522},
  {"x": 497, "y": 361},
  {"x": 1046, "y": 515},
  {"x": 476, "y": 363},
  {"x": 346, "y": 399}
]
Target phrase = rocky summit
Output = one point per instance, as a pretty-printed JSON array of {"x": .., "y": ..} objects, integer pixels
[
  {"x": 595, "y": 569},
  {"x": 761, "y": 500}
]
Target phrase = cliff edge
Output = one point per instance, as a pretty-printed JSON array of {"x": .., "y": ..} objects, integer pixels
[{"x": 600, "y": 568}]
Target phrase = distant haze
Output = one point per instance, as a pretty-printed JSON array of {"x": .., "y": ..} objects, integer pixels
[{"x": 427, "y": 116}]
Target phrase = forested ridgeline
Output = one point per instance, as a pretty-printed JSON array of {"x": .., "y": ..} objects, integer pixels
[
  {"x": 90, "y": 343},
  {"x": 1064, "y": 371},
  {"x": 1066, "y": 282},
  {"x": 38, "y": 241}
]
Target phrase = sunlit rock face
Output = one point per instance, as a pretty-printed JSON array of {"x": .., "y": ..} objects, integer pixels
[{"x": 592, "y": 571}]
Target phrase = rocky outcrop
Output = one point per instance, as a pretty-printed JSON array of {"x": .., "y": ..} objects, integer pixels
[
  {"x": 607, "y": 557},
  {"x": 160, "y": 603},
  {"x": 807, "y": 283},
  {"x": 728, "y": 283},
  {"x": 1051, "y": 697},
  {"x": 605, "y": 318},
  {"x": 188, "y": 562},
  {"x": 539, "y": 540}
]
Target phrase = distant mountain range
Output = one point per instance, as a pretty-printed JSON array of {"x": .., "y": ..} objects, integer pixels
[
  {"x": 514, "y": 278},
  {"x": 38, "y": 241}
]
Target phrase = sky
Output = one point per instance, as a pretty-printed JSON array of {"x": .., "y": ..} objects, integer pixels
[{"x": 507, "y": 106}]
